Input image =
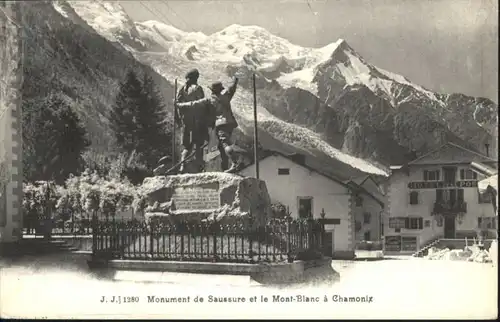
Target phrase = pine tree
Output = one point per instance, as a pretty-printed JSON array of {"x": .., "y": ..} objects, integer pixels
[
  {"x": 138, "y": 120},
  {"x": 124, "y": 112},
  {"x": 53, "y": 139},
  {"x": 155, "y": 141}
]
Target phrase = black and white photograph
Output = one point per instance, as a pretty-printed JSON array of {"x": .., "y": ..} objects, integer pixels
[{"x": 249, "y": 159}]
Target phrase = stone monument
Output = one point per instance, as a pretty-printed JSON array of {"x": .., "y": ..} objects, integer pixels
[
  {"x": 211, "y": 195},
  {"x": 11, "y": 183}
]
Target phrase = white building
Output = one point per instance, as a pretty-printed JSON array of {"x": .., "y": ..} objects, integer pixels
[
  {"x": 369, "y": 216},
  {"x": 436, "y": 196},
  {"x": 11, "y": 189},
  {"x": 307, "y": 191}
]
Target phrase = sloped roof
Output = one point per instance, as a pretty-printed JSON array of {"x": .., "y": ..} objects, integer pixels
[
  {"x": 483, "y": 169},
  {"x": 491, "y": 181},
  {"x": 451, "y": 153},
  {"x": 349, "y": 184},
  {"x": 293, "y": 158},
  {"x": 490, "y": 185},
  {"x": 358, "y": 185}
]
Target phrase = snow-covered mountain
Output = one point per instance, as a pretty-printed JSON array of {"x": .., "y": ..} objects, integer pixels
[{"x": 328, "y": 102}]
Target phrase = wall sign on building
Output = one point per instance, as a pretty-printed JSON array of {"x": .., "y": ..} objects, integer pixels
[
  {"x": 440, "y": 184},
  {"x": 401, "y": 244},
  {"x": 392, "y": 243}
]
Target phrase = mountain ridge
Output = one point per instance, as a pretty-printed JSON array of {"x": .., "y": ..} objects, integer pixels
[{"x": 328, "y": 101}]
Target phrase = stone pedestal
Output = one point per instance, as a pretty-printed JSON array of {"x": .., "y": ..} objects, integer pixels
[{"x": 213, "y": 196}]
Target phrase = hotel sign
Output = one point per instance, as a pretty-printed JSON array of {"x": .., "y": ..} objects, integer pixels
[{"x": 440, "y": 184}]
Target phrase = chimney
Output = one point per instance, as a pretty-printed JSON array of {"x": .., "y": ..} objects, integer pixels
[{"x": 487, "y": 146}]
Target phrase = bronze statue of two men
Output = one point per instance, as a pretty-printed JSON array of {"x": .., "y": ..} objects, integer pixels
[{"x": 197, "y": 114}]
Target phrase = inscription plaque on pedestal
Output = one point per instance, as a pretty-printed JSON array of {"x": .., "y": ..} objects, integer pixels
[{"x": 203, "y": 197}]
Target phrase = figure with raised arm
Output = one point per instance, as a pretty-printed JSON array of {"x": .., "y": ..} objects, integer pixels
[{"x": 221, "y": 117}]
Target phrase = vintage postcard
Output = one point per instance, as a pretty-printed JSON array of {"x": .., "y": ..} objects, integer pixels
[{"x": 324, "y": 159}]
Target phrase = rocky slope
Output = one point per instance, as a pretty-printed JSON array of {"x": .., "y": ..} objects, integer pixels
[
  {"x": 329, "y": 103},
  {"x": 67, "y": 56}
]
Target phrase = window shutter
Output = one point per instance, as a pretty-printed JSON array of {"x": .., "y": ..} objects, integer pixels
[
  {"x": 438, "y": 173},
  {"x": 420, "y": 223},
  {"x": 460, "y": 195},
  {"x": 462, "y": 174},
  {"x": 407, "y": 223},
  {"x": 426, "y": 175},
  {"x": 453, "y": 196}
]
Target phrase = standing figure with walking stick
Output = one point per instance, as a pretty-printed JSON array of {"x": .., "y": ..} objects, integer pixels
[
  {"x": 221, "y": 116},
  {"x": 194, "y": 122},
  {"x": 194, "y": 129}
]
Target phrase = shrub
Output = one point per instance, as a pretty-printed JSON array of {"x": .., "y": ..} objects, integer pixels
[
  {"x": 117, "y": 166},
  {"x": 279, "y": 210},
  {"x": 81, "y": 195}
]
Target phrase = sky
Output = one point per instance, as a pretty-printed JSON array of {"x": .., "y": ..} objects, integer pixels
[{"x": 449, "y": 46}]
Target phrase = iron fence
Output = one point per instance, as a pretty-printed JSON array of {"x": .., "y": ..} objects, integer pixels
[{"x": 205, "y": 241}]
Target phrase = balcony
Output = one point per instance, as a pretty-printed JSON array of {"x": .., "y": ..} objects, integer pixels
[{"x": 445, "y": 207}]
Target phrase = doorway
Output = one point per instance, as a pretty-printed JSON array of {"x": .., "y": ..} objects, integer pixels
[
  {"x": 449, "y": 174},
  {"x": 449, "y": 226}
]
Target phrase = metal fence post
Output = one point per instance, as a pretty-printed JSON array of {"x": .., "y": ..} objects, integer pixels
[
  {"x": 94, "y": 233},
  {"x": 151, "y": 238},
  {"x": 182, "y": 231},
  {"x": 214, "y": 232},
  {"x": 114, "y": 247},
  {"x": 249, "y": 228},
  {"x": 323, "y": 237},
  {"x": 288, "y": 240},
  {"x": 310, "y": 233}
]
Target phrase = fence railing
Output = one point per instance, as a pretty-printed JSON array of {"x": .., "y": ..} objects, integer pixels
[{"x": 206, "y": 241}]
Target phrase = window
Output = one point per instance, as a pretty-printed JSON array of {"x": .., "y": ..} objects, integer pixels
[
  {"x": 486, "y": 222},
  {"x": 366, "y": 217},
  {"x": 449, "y": 174},
  {"x": 367, "y": 236},
  {"x": 466, "y": 174},
  {"x": 283, "y": 171},
  {"x": 359, "y": 201},
  {"x": 427, "y": 223},
  {"x": 414, "y": 223},
  {"x": 450, "y": 196},
  {"x": 305, "y": 207},
  {"x": 431, "y": 175},
  {"x": 484, "y": 197},
  {"x": 397, "y": 222},
  {"x": 414, "y": 198}
]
